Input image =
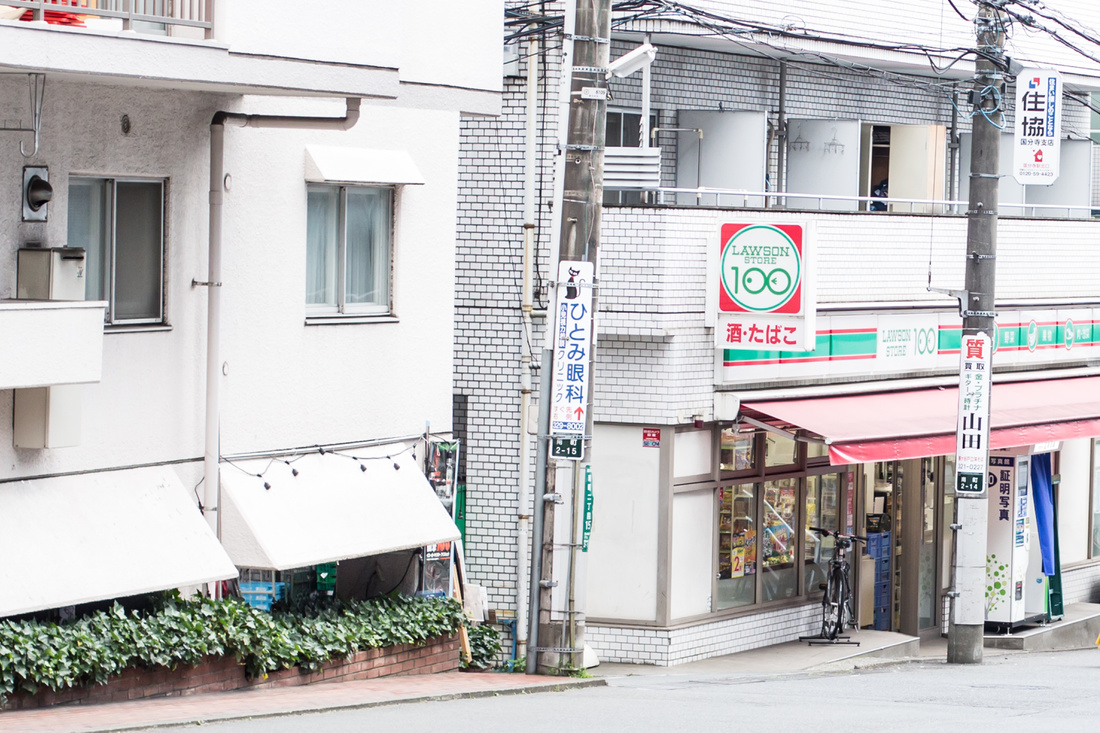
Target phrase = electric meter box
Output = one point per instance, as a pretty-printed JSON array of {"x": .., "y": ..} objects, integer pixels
[{"x": 50, "y": 273}]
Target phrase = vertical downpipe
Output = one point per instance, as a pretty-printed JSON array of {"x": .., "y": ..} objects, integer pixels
[
  {"x": 524, "y": 494},
  {"x": 213, "y": 328}
]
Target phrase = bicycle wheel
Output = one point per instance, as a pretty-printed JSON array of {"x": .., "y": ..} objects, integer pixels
[{"x": 832, "y": 606}]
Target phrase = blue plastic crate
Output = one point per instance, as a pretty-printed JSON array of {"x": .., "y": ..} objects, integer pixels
[
  {"x": 882, "y": 571},
  {"x": 262, "y": 595},
  {"x": 882, "y": 595},
  {"x": 882, "y": 624}
]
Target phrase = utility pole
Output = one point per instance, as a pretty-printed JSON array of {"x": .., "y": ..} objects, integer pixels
[
  {"x": 579, "y": 185},
  {"x": 966, "y": 631}
]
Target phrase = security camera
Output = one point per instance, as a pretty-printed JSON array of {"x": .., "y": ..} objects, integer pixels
[{"x": 628, "y": 63}]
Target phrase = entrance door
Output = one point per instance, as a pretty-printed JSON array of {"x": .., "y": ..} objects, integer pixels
[
  {"x": 903, "y": 521},
  {"x": 917, "y": 518}
]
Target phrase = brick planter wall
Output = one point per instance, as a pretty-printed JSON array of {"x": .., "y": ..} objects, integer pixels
[{"x": 219, "y": 674}]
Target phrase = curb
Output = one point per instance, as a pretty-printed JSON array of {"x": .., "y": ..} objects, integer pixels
[{"x": 560, "y": 686}]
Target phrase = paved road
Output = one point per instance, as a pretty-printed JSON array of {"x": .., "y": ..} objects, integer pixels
[{"x": 1057, "y": 691}]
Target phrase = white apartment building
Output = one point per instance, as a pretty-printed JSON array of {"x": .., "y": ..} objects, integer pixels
[
  {"x": 229, "y": 251},
  {"x": 711, "y": 458}
]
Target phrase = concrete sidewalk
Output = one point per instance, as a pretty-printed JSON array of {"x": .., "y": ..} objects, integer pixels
[{"x": 174, "y": 711}]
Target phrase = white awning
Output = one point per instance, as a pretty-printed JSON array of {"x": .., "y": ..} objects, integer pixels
[
  {"x": 360, "y": 165},
  {"x": 332, "y": 510},
  {"x": 96, "y": 536}
]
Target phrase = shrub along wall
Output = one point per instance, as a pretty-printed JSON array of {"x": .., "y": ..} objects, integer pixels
[
  {"x": 220, "y": 674},
  {"x": 205, "y": 645}
]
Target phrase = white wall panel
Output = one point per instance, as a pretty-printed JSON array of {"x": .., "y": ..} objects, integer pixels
[
  {"x": 692, "y": 567},
  {"x": 622, "y": 553}
]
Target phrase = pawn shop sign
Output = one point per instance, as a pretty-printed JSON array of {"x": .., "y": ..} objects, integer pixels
[{"x": 766, "y": 298}]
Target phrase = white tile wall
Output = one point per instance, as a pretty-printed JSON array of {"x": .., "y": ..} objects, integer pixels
[{"x": 668, "y": 647}]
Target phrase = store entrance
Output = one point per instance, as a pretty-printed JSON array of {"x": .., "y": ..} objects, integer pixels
[{"x": 901, "y": 502}]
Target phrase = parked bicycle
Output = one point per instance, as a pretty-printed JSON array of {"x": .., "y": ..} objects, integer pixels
[{"x": 836, "y": 604}]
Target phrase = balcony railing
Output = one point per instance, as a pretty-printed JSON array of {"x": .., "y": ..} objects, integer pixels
[
  {"x": 734, "y": 198},
  {"x": 150, "y": 16}
]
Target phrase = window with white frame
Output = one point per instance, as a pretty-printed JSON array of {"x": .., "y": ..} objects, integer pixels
[
  {"x": 120, "y": 224},
  {"x": 349, "y": 244}
]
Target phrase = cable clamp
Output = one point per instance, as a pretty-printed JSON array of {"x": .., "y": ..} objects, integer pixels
[
  {"x": 204, "y": 284},
  {"x": 589, "y": 39}
]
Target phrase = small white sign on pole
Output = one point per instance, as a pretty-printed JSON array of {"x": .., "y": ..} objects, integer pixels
[
  {"x": 972, "y": 431},
  {"x": 1035, "y": 159},
  {"x": 572, "y": 343}
]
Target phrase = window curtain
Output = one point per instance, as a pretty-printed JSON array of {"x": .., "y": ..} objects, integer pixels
[
  {"x": 321, "y": 246},
  {"x": 368, "y": 235},
  {"x": 1042, "y": 494}
]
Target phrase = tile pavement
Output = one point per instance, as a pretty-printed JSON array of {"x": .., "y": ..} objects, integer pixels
[{"x": 173, "y": 711}]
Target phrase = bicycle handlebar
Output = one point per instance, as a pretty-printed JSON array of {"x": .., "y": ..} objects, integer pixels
[{"x": 838, "y": 535}]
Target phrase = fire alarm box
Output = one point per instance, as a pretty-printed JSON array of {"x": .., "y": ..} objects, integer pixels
[{"x": 50, "y": 273}]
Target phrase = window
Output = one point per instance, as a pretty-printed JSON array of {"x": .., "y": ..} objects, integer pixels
[
  {"x": 822, "y": 510},
  {"x": 736, "y": 546},
  {"x": 738, "y": 451},
  {"x": 120, "y": 225},
  {"x": 624, "y": 130},
  {"x": 348, "y": 249}
]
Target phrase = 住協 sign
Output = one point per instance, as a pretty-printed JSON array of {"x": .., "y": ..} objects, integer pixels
[
  {"x": 1036, "y": 148},
  {"x": 571, "y": 337},
  {"x": 764, "y": 296},
  {"x": 972, "y": 430}
]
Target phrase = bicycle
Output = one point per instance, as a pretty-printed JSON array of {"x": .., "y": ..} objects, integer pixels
[{"x": 836, "y": 604}]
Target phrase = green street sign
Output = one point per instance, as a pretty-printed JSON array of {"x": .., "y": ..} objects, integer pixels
[
  {"x": 568, "y": 449},
  {"x": 587, "y": 533},
  {"x": 969, "y": 483}
]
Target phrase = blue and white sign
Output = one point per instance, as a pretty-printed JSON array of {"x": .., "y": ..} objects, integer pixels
[
  {"x": 1035, "y": 159},
  {"x": 572, "y": 344}
]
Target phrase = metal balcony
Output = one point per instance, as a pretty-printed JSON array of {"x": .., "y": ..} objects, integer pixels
[{"x": 159, "y": 17}]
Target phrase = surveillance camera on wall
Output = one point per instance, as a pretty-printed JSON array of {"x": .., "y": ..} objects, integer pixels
[{"x": 628, "y": 63}]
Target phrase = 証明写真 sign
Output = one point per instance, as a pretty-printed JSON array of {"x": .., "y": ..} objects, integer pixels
[{"x": 765, "y": 298}]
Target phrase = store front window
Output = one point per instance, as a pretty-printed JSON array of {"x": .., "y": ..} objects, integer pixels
[
  {"x": 780, "y": 539},
  {"x": 822, "y": 496},
  {"x": 769, "y": 488},
  {"x": 738, "y": 452},
  {"x": 736, "y": 546}
]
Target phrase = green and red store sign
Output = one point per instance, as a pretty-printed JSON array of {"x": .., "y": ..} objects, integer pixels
[{"x": 907, "y": 343}]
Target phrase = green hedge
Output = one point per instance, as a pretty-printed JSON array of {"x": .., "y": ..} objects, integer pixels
[{"x": 179, "y": 632}]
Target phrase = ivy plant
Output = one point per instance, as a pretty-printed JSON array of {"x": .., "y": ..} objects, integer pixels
[{"x": 177, "y": 632}]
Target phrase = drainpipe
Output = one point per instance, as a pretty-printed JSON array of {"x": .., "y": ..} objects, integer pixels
[
  {"x": 781, "y": 153},
  {"x": 524, "y": 498},
  {"x": 213, "y": 284}
]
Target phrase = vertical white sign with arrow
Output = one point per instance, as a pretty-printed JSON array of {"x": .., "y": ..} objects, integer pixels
[{"x": 571, "y": 336}]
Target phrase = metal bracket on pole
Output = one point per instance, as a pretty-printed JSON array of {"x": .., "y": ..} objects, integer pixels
[
  {"x": 548, "y": 583},
  {"x": 961, "y": 295},
  {"x": 553, "y": 497},
  {"x": 956, "y": 527}
]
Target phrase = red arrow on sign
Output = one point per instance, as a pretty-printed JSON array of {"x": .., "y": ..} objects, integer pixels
[{"x": 579, "y": 411}]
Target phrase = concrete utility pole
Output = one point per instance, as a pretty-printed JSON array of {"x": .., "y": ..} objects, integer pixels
[
  {"x": 966, "y": 632},
  {"x": 579, "y": 177}
]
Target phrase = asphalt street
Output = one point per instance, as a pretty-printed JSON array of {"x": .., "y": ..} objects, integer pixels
[{"x": 1019, "y": 692}]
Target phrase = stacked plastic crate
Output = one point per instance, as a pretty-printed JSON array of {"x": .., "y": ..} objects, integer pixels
[{"x": 879, "y": 547}]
